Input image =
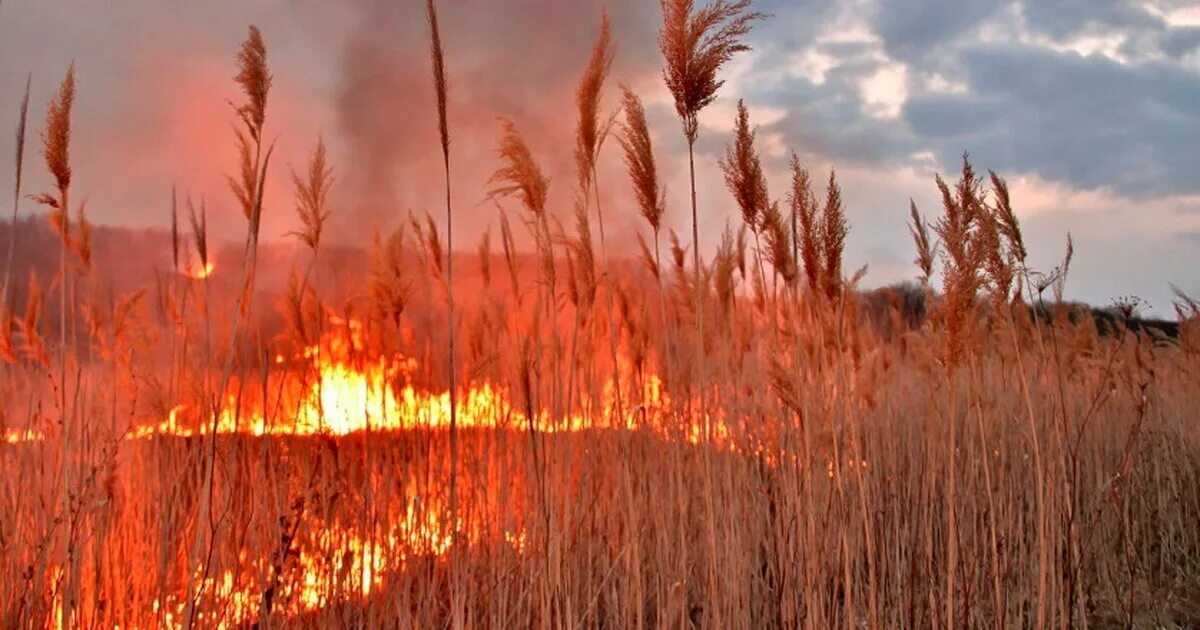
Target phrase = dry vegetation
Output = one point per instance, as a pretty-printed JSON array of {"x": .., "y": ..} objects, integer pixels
[{"x": 731, "y": 443}]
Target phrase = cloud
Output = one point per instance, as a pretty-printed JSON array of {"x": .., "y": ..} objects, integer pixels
[
  {"x": 1091, "y": 122},
  {"x": 916, "y": 29}
]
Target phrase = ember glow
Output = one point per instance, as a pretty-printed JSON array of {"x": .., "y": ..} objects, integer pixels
[{"x": 199, "y": 271}]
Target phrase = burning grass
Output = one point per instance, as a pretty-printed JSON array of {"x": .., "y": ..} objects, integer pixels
[{"x": 572, "y": 448}]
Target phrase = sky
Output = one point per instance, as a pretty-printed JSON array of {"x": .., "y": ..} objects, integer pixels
[{"x": 1089, "y": 108}]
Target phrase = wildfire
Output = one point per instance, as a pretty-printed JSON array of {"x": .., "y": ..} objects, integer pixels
[
  {"x": 342, "y": 386},
  {"x": 338, "y": 387}
]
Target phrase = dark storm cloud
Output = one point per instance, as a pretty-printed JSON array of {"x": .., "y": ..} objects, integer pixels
[
  {"x": 1090, "y": 121},
  {"x": 1180, "y": 41},
  {"x": 813, "y": 110},
  {"x": 1063, "y": 18},
  {"x": 918, "y": 29}
]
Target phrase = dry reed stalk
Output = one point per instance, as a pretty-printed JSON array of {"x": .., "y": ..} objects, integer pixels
[
  {"x": 56, "y": 147},
  {"x": 439, "y": 83},
  {"x": 650, "y": 194},
  {"x": 56, "y": 140},
  {"x": 254, "y": 78},
  {"x": 695, "y": 44},
  {"x": 521, "y": 177},
  {"x": 19, "y": 163},
  {"x": 591, "y": 133}
]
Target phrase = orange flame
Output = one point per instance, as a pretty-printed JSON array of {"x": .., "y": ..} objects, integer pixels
[{"x": 198, "y": 271}]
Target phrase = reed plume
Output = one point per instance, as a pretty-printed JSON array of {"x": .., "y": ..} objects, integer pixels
[
  {"x": 56, "y": 140},
  {"x": 1009, "y": 226},
  {"x": 643, "y": 173},
  {"x": 724, "y": 266},
  {"x": 1060, "y": 277},
  {"x": 695, "y": 44},
  {"x": 590, "y": 131},
  {"x": 833, "y": 238},
  {"x": 198, "y": 219},
  {"x": 779, "y": 244},
  {"x": 745, "y": 179},
  {"x": 995, "y": 262},
  {"x": 389, "y": 285},
  {"x": 312, "y": 192},
  {"x": 960, "y": 276},
  {"x": 439, "y": 78},
  {"x": 743, "y": 172},
  {"x": 32, "y": 347},
  {"x": 56, "y": 151},
  {"x": 255, "y": 80},
  {"x": 926, "y": 252},
  {"x": 650, "y": 194},
  {"x": 520, "y": 176},
  {"x": 806, "y": 214},
  {"x": 639, "y": 161}
]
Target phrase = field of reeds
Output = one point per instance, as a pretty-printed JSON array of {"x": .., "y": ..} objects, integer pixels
[{"x": 495, "y": 435}]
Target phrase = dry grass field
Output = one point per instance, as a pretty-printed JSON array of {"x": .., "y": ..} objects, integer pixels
[{"x": 484, "y": 436}]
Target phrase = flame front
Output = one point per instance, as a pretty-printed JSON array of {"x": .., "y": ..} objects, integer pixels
[{"x": 343, "y": 388}]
